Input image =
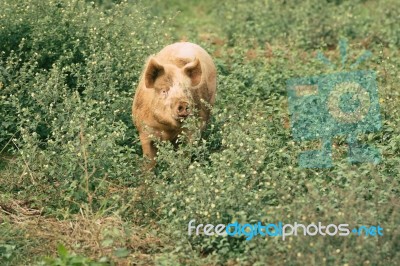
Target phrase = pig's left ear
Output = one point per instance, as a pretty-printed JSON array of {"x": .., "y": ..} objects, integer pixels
[
  {"x": 193, "y": 71},
  {"x": 154, "y": 70}
]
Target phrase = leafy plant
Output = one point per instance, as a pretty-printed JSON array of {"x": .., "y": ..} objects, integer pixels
[
  {"x": 69, "y": 259},
  {"x": 68, "y": 148}
]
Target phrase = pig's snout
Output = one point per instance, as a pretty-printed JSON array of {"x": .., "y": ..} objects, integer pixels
[{"x": 182, "y": 109}]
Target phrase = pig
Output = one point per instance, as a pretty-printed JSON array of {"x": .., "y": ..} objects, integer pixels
[{"x": 176, "y": 81}]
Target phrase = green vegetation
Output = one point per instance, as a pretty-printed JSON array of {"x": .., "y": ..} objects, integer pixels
[{"x": 71, "y": 181}]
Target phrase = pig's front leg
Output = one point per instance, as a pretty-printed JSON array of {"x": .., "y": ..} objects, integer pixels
[{"x": 149, "y": 150}]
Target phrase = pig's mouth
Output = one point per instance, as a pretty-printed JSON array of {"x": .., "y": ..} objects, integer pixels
[
  {"x": 181, "y": 118},
  {"x": 182, "y": 111}
]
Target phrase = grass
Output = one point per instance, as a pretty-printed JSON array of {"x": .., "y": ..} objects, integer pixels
[{"x": 72, "y": 189}]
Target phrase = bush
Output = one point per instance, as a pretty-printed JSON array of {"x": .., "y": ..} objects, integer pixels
[
  {"x": 68, "y": 84},
  {"x": 308, "y": 24},
  {"x": 68, "y": 72}
]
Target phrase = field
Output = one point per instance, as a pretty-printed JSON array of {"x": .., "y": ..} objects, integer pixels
[{"x": 72, "y": 186}]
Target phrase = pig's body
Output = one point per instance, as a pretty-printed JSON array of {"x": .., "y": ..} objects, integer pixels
[{"x": 172, "y": 85}]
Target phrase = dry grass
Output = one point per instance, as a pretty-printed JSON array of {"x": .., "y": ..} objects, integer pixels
[{"x": 96, "y": 237}]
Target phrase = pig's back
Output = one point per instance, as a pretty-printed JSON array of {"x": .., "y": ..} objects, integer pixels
[
  {"x": 181, "y": 53},
  {"x": 181, "y": 50}
]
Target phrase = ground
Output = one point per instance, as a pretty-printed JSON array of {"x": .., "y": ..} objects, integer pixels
[{"x": 73, "y": 189}]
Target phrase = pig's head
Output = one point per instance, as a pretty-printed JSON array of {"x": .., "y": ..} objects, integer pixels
[{"x": 172, "y": 99}]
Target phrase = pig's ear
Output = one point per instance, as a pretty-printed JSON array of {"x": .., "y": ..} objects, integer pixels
[
  {"x": 193, "y": 70},
  {"x": 153, "y": 71}
]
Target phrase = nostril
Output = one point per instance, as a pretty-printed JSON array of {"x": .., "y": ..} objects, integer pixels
[{"x": 183, "y": 109}]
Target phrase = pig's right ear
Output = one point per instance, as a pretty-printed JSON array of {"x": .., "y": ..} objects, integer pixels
[{"x": 153, "y": 71}]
